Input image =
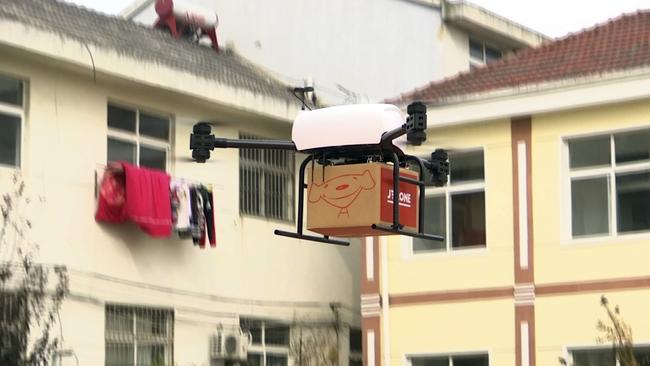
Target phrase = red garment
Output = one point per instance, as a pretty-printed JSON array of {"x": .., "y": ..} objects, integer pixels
[{"x": 146, "y": 200}]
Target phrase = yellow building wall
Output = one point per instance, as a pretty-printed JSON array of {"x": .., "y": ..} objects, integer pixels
[
  {"x": 557, "y": 258},
  {"x": 567, "y": 321},
  {"x": 447, "y": 328},
  {"x": 463, "y": 269}
]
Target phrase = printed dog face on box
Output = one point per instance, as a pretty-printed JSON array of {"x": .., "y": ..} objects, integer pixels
[{"x": 341, "y": 191}]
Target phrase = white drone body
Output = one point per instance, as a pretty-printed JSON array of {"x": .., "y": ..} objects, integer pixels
[{"x": 346, "y": 126}]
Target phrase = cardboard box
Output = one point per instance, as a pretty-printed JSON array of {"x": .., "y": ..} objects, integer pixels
[{"x": 345, "y": 200}]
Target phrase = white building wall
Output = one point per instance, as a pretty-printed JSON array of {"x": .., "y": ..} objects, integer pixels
[
  {"x": 374, "y": 48},
  {"x": 251, "y": 272}
]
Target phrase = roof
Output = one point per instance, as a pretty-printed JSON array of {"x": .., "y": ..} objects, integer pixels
[
  {"x": 141, "y": 43},
  {"x": 619, "y": 44},
  {"x": 491, "y": 27}
]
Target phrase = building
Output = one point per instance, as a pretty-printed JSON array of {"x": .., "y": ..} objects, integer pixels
[
  {"x": 545, "y": 212},
  {"x": 342, "y": 47},
  {"x": 78, "y": 89}
]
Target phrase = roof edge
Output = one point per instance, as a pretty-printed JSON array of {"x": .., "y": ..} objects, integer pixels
[
  {"x": 598, "y": 90},
  {"x": 465, "y": 14}
]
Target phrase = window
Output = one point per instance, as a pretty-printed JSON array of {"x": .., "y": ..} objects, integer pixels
[
  {"x": 270, "y": 345},
  {"x": 139, "y": 336},
  {"x": 458, "y": 208},
  {"x": 11, "y": 117},
  {"x": 451, "y": 360},
  {"x": 138, "y": 137},
  {"x": 266, "y": 182},
  {"x": 14, "y": 327},
  {"x": 607, "y": 357},
  {"x": 610, "y": 184},
  {"x": 481, "y": 54},
  {"x": 356, "y": 357}
]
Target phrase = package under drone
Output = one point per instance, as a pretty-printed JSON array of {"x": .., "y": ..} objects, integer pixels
[{"x": 346, "y": 200}]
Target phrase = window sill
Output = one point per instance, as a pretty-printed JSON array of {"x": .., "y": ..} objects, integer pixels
[
  {"x": 606, "y": 239},
  {"x": 458, "y": 253},
  {"x": 10, "y": 169}
]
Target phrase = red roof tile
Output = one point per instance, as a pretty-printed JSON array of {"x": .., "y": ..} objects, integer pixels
[{"x": 619, "y": 44}]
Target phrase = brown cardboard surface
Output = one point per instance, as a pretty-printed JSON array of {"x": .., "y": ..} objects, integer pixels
[{"x": 345, "y": 200}]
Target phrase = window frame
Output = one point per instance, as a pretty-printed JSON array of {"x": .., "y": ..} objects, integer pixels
[
  {"x": 450, "y": 355},
  {"x": 475, "y": 62},
  {"x": 263, "y": 349},
  {"x": 138, "y": 139},
  {"x": 568, "y": 350},
  {"x": 608, "y": 171},
  {"x": 263, "y": 168},
  {"x": 447, "y": 191},
  {"x": 170, "y": 323},
  {"x": 19, "y": 112}
]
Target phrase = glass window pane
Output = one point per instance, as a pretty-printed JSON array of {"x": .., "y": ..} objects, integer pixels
[
  {"x": 276, "y": 360},
  {"x": 632, "y": 146},
  {"x": 633, "y": 202},
  {"x": 11, "y": 91},
  {"x": 476, "y": 360},
  {"x": 590, "y": 206},
  {"x": 276, "y": 334},
  {"x": 119, "y": 321},
  {"x": 153, "y": 158},
  {"x": 151, "y": 355},
  {"x": 120, "y": 118},
  {"x": 254, "y": 327},
  {"x": 590, "y": 151},
  {"x": 491, "y": 54},
  {"x": 465, "y": 167},
  {"x": 118, "y": 354},
  {"x": 468, "y": 219},
  {"x": 151, "y": 323},
  {"x": 594, "y": 358},
  {"x": 355, "y": 340},
  {"x": 642, "y": 356},
  {"x": 9, "y": 140},
  {"x": 254, "y": 359},
  {"x": 435, "y": 223},
  {"x": 476, "y": 50},
  {"x": 154, "y": 126},
  {"x": 430, "y": 361},
  {"x": 121, "y": 151}
]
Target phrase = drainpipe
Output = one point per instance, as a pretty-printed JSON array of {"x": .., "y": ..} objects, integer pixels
[{"x": 383, "y": 241}]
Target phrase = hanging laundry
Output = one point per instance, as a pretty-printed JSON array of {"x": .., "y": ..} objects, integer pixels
[
  {"x": 208, "y": 213},
  {"x": 146, "y": 199},
  {"x": 181, "y": 211}
]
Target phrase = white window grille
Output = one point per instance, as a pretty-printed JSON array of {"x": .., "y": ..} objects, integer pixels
[
  {"x": 457, "y": 210},
  {"x": 266, "y": 182},
  {"x": 478, "y": 359},
  {"x": 12, "y": 115},
  {"x": 138, "y": 137},
  {"x": 270, "y": 342},
  {"x": 609, "y": 184},
  {"x": 139, "y": 336}
]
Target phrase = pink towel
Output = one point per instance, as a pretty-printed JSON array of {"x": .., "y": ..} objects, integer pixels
[{"x": 146, "y": 202}]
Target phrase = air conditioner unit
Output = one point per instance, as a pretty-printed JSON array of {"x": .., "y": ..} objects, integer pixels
[{"x": 230, "y": 344}]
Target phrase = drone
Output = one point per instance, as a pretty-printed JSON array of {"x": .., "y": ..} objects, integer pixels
[{"x": 346, "y": 135}]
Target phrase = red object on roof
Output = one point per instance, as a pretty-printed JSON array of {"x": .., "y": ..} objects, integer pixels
[{"x": 622, "y": 43}]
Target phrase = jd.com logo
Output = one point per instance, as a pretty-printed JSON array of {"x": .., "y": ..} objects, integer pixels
[{"x": 342, "y": 191}]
